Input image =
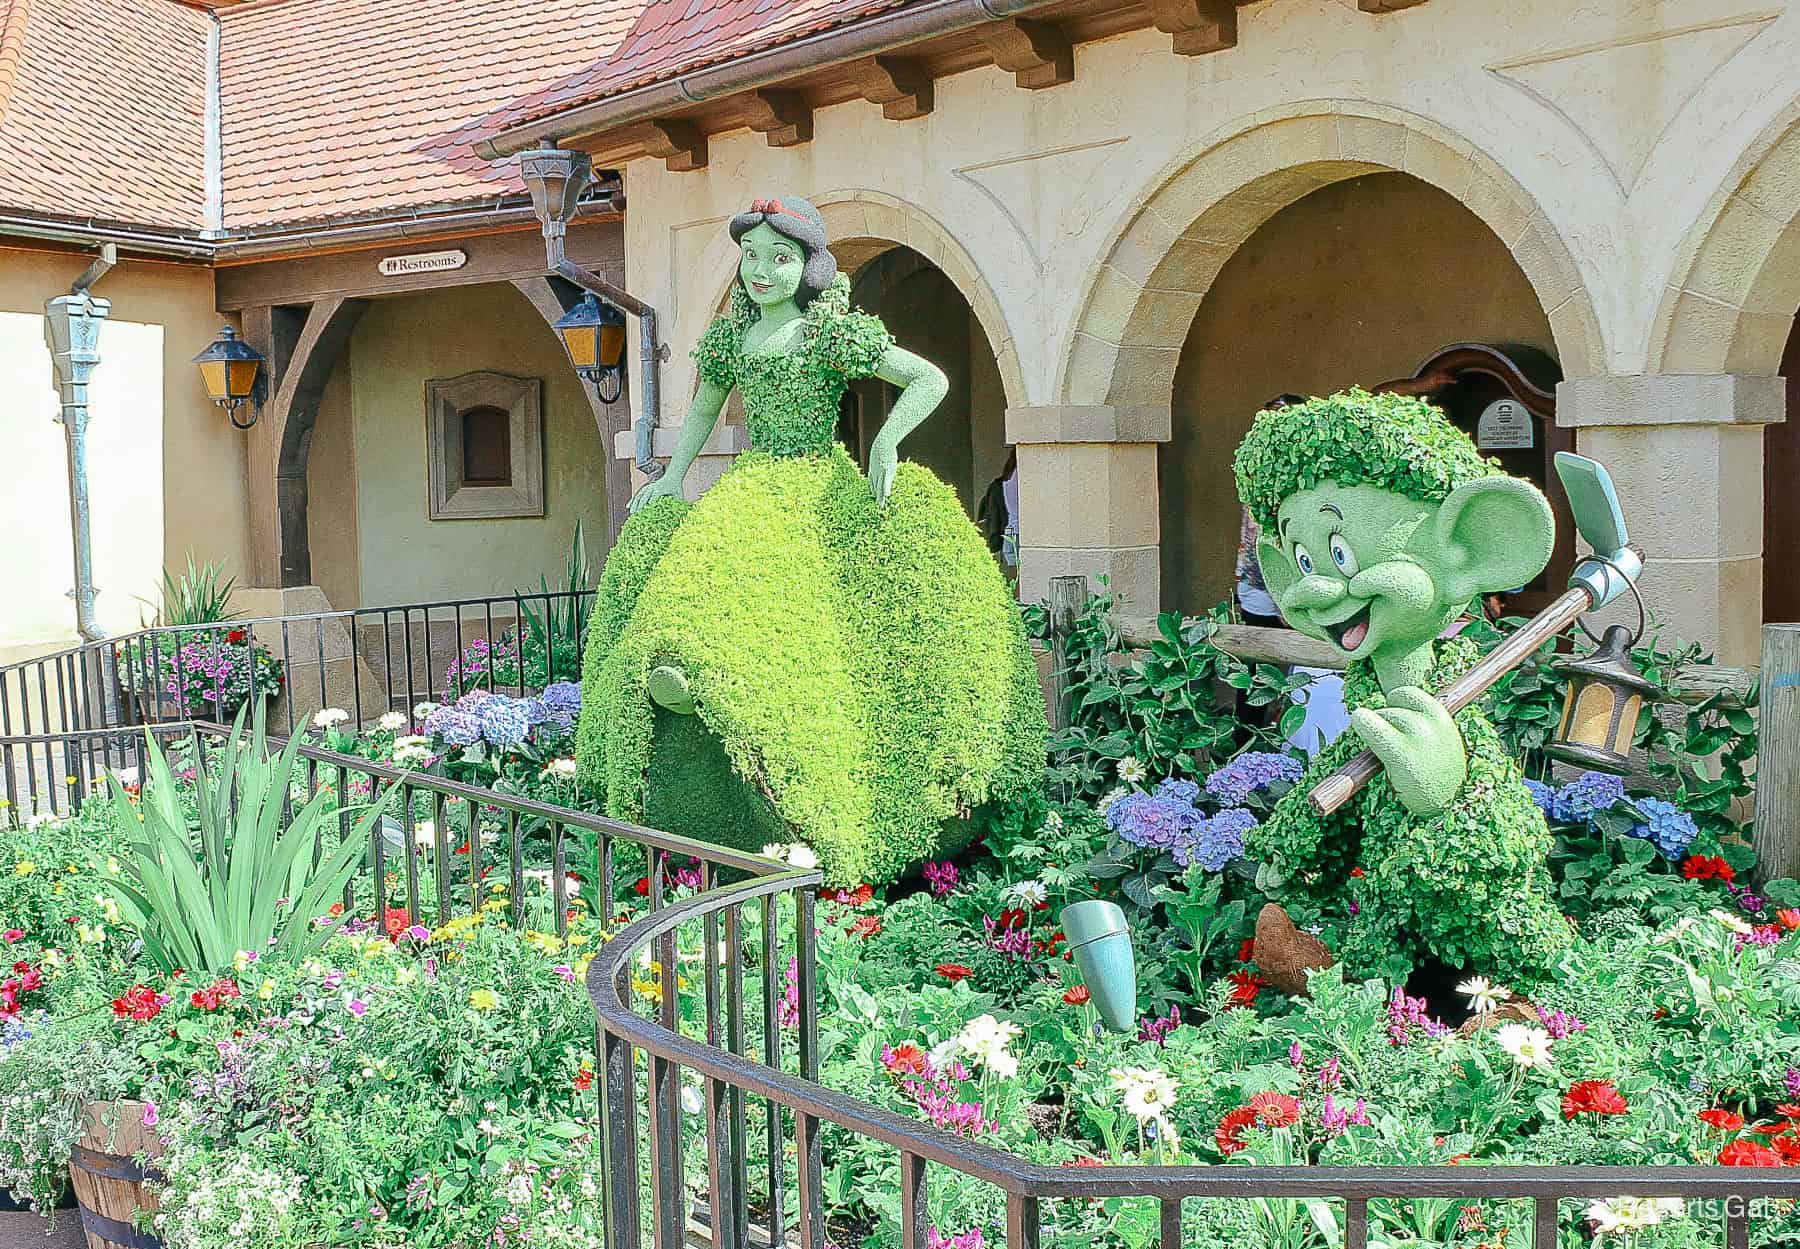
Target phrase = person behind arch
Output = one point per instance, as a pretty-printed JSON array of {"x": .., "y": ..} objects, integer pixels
[{"x": 1254, "y": 603}]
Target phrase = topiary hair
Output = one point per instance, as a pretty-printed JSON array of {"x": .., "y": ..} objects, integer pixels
[{"x": 1396, "y": 442}]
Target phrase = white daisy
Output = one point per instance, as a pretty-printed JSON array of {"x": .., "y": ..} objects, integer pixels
[
  {"x": 801, "y": 856},
  {"x": 1732, "y": 922},
  {"x": 424, "y": 834},
  {"x": 985, "y": 1036},
  {"x": 1529, "y": 1047},
  {"x": 1146, "y": 1092},
  {"x": 391, "y": 721},
  {"x": 422, "y": 710},
  {"x": 330, "y": 717},
  {"x": 564, "y": 768},
  {"x": 1131, "y": 771},
  {"x": 1631, "y": 1214},
  {"x": 1482, "y": 995},
  {"x": 1030, "y": 893}
]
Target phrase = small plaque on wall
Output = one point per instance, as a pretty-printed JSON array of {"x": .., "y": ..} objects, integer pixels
[{"x": 1505, "y": 425}]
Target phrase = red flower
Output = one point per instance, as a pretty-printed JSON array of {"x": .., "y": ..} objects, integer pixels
[
  {"x": 215, "y": 995},
  {"x": 1707, "y": 867},
  {"x": 642, "y": 886},
  {"x": 1229, "y": 1136},
  {"x": 584, "y": 1080},
  {"x": 1722, "y": 1120},
  {"x": 14, "y": 935},
  {"x": 1245, "y": 986},
  {"x": 1748, "y": 1154},
  {"x": 1012, "y": 917},
  {"x": 1357, "y": 873},
  {"x": 866, "y": 926},
  {"x": 140, "y": 1002},
  {"x": 237, "y": 636},
  {"x": 1078, "y": 996},
  {"x": 954, "y": 971},
  {"x": 335, "y": 909},
  {"x": 1787, "y": 1110},
  {"x": 1247, "y": 951},
  {"x": 905, "y": 1059},
  {"x": 1788, "y": 918},
  {"x": 1083, "y": 1161},
  {"x": 396, "y": 920},
  {"x": 1593, "y": 1097},
  {"x": 1275, "y": 1110},
  {"x": 20, "y": 968}
]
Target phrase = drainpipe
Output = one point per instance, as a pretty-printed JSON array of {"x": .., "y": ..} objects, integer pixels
[{"x": 72, "y": 330}]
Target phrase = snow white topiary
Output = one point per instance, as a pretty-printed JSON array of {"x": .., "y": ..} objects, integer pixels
[
  {"x": 1381, "y": 522},
  {"x": 805, "y": 653}
]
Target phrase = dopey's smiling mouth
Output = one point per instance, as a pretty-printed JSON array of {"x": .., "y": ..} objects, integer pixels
[{"x": 1352, "y": 631}]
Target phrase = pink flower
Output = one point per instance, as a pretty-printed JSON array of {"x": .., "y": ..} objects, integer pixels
[
  {"x": 565, "y": 971},
  {"x": 14, "y": 935},
  {"x": 150, "y": 1116},
  {"x": 356, "y": 1006}
]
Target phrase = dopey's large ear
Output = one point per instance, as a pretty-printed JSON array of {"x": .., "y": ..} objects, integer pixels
[
  {"x": 1491, "y": 535},
  {"x": 1278, "y": 571}
]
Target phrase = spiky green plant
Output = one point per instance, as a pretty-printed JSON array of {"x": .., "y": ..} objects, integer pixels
[
  {"x": 252, "y": 883},
  {"x": 202, "y": 595}
]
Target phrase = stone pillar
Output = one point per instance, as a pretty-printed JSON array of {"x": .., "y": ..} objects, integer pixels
[
  {"x": 715, "y": 457},
  {"x": 1686, "y": 453},
  {"x": 1088, "y": 500}
]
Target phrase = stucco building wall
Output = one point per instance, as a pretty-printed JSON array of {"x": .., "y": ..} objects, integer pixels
[
  {"x": 373, "y": 540},
  {"x": 1621, "y": 153},
  {"x": 166, "y": 469}
]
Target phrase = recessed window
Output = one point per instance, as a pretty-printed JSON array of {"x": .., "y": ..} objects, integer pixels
[{"x": 486, "y": 447}]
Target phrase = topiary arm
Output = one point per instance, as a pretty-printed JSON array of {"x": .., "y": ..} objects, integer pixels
[
  {"x": 702, "y": 419},
  {"x": 922, "y": 387}
]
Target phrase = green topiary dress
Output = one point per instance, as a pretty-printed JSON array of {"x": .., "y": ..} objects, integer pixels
[{"x": 860, "y": 672}]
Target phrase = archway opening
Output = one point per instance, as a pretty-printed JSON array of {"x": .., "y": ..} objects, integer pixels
[
  {"x": 1355, "y": 283},
  {"x": 964, "y": 441},
  {"x": 1781, "y": 503}
]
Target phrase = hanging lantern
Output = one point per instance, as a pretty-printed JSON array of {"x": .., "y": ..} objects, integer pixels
[
  {"x": 593, "y": 333},
  {"x": 231, "y": 369},
  {"x": 1600, "y": 716}
]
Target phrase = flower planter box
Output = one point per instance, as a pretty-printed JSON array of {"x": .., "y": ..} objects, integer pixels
[{"x": 109, "y": 1183}]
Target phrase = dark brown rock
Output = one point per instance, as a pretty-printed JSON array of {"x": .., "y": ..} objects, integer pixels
[{"x": 1284, "y": 954}]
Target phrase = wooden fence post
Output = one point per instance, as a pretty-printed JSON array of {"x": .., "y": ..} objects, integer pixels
[
  {"x": 1778, "y": 754},
  {"x": 1067, "y": 594}
]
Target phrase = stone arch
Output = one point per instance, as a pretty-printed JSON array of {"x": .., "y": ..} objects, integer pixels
[
  {"x": 861, "y": 225},
  {"x": 1136, "y": 311},
  {"x": 1729, "y": 305}
]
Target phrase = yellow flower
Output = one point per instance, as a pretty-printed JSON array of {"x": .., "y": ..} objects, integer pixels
[
  {"x": 24, "y": 867},
  {"x": 405, "y": 975},
  {"x": 112, "y": 866},
  {"x": 266, "y": 991},
  {"x": 70, "y": 868},
  {"x": 91, "y": 934},
  {"x": 72, "y": 780},
  {"x": 494, "y": 904},
  {"x": 484, "y": 999},
  {"x": 241, "y": 960},
  {"x": 578, "y": 938}
]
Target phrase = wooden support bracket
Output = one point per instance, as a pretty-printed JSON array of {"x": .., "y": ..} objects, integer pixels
[
  {"x": 1199, "y": 26},
  {"x": 902, "y": 87},
  {"x": 1386, "y": 6},
  {"x": 1037, "y": 54},
  {"x": 783, "y": 117},
  {"x": 679, "y": 143}
]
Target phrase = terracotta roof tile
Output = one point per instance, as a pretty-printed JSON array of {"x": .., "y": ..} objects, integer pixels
[
  {"x": 672, "y": 37},
  {"x": 336, "y": 108},
  {"x": 77, "y": 76}
]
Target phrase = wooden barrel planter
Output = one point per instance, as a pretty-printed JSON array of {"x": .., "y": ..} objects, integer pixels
[{"x": 109, "y": 1182}]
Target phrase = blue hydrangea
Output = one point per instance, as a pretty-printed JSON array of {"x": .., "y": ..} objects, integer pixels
[
  {"x": 1542, "y": 794},
  {"x": 12, "y": 1032},
  {"x": 1251, "y": 773},
  {"x": 1666, "y": 826},
  {"x": 505, "y": 722},
  {"x": 453, "y": 726},
  {"x": 562, "y": 702},
  {"x": 1591, "y": 792},
  {"x": 1220, "y": 840},
  {"x": 1179, "y": 790},
  {"x": 1153, "y": 821}
]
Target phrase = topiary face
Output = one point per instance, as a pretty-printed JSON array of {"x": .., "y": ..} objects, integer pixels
[{"x": 771, "y": 266}]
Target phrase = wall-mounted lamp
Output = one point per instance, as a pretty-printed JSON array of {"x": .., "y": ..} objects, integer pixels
[
  {"x": 1100, "y": 940},
  {"x": 232, "y": 371},
  {"x": 1600, "y": 716},
  {"x": 593, "y": 333}
]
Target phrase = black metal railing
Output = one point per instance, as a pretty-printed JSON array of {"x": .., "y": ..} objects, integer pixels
[
  {"x": 367, "y": 661},
  {"x": 653, "y": 1206}
]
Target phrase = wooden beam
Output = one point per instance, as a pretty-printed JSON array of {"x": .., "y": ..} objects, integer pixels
[
  {"x": 1037, "y": 54},
  {"x": 679, "y": 143},
  {"x": 901, "y": 86},
  {"x": 1386, "y": 6},
  {"x": 1199, "y": 26},
  {"x": 552, "y": 298},
  {"x": 784, "y": 118}
]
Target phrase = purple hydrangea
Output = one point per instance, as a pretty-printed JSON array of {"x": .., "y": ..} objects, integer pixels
[
  {"x": 1153, "y": 821},
  {"x": 1544, "y": 795},
  {"x": 1219, "y": 840},
  {"x": 1590, "y": 793},
  {"x": 453, "y": 726},
  {"x": 505, "y": 722},
  {"x": 1251, "y": 773},
  {"x": 1665, "y": 825},
  {"x": 1179, "y": 789},
  {"x": 480, "y": 716},
  {"x": 562, "y": 703}
]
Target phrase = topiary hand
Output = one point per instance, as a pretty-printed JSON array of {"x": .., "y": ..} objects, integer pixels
[
  {"x": 1419, "y": 744},
  {"x": 884, "y": 461},
  {"x": 668, "y": 486}
]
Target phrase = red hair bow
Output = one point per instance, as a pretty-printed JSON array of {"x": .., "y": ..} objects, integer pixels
[{"x": 768, "y": 207}]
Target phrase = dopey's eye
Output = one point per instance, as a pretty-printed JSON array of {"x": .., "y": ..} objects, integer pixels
[
  {"x": 1303, "y": 560},
  {"x": 1343, "y": 556}
]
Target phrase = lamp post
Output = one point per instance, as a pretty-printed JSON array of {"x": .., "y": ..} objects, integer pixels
[
  {"x": 556, "y": 177},
  {"x": 72, "y": 330}
]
